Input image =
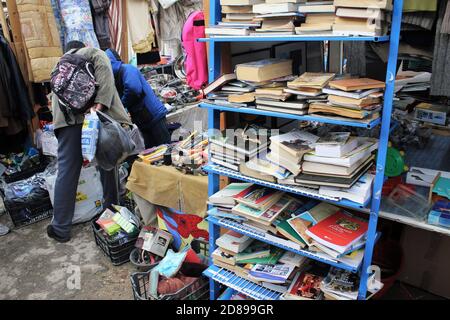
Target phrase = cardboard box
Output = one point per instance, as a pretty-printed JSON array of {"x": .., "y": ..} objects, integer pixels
[{"x": 426, "y": 260}]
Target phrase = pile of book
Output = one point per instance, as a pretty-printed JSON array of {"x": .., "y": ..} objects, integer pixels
[
  {"x": 230, "y": 148},
  {"x": 311, "y": 17},
  {"x": 258, "y": 262},
  {"x": 355, "y": 98},
  {"x": 361, "y": 18},
  {"x": 260, "y": 84},
  {"x": 292, "y": 222},
  {"x": 320, "y": 16},
  {"x": 339, "y": 167},
  {"x": 288, "y": 149}
]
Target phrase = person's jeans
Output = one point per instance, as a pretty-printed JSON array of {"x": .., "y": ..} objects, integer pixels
[{"x": 70, "y": 161}]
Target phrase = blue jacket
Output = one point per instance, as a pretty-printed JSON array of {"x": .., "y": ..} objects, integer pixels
[{"x": 137, "y": 96}]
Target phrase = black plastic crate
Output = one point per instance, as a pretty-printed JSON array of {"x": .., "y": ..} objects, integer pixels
[
  {"x": 118, "y": 251},
  {"x": 198, "y": 290},
  {"x": 25, "y": 214},
  {"x": 27, "y": 173}
]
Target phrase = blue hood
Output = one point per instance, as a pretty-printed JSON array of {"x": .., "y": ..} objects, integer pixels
[{"x": 114, "y": 62}]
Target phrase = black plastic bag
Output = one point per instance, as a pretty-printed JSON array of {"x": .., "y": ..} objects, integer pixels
[{"x": 114, "y": 144}]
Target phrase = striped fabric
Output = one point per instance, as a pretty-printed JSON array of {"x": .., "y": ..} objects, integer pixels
[{"x": 115, "y": 24}]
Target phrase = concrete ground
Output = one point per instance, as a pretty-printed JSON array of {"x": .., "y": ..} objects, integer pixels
[{"x": 33, "y": 266}]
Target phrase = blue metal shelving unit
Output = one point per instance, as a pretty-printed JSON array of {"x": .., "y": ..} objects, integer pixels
[
  {"x": 318, "y": 118},
  {"x": 229, "y": 279}
]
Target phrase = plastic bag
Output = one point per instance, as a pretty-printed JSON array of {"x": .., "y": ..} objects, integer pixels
[
  {"x": 138, "y": 140},
  {"x": 89, "y": 197},
  {"x": 89, "y": 136},
  {"x": 114, "y": 143}
]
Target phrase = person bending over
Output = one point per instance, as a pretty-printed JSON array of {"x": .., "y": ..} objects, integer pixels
[
  {"x": 146, "y": 110},
  {"x": 69, "y": 144}
]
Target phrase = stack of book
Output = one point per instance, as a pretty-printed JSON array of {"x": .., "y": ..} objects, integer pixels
[
  {"x": 361, "y": 18},
  {"x": 288, "y": 149},
  {"x": 281, "y": 23},
  {"x": 320, "y": 16},
  {"x": 268, "y": 266},
  {"x": 233, "y": 147},
  {"x": 223, "y": 200},
  {"x": 337, "y": 164},
  {"x": 238, "y": 10},
  {"x": 356, "y": 98},
  {"x": 309, "y": 84}
]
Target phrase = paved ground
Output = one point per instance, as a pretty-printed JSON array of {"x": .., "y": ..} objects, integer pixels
[{"x": 32, "y": 266}]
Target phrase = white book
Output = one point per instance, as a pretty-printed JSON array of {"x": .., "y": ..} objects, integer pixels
[
  {"x": 360, "y": 192},
  {"x": 285, "y": 1},
  {"x": 297, "y": 105},
  {"x": 225, "y": 196},
  {"x": 233, "y": 241},
  {"x": 292, "y": 258},
  {"x": 322, "y": 8},
  {"x": 226, "y": 31},
  {"x": 329, "y": 169},
  {"x": 265, "y": 8},
  {"x": 336, "y": 150},
  {"x": 295, "y": 135},
  {"x": 240, "y": 2},
  {"x": 350, "y": 94},
  {"x": 293, "y": 167},
  {"x": 282, "y": 110},
  {"x": 365, "y": 147},
  {"x": 240, "y": 16},
  {"x": 225, "y": 164}
]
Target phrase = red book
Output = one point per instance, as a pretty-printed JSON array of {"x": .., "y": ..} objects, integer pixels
[{"x": 339, "y": 231}]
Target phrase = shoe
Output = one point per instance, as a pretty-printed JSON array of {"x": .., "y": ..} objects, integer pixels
[
  {"x": 3, "y": 230},
  {"x": 52, "y": 234}
]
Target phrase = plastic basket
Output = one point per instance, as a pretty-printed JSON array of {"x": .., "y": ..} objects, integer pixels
[
  {"x": 25, "y": 214},
  {"x": 118, "y": 251},
  {"x": 134, "y": 258},
  {"x": 197, "y": 290}
]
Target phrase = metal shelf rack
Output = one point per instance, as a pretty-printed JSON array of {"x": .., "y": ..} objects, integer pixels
[
  {"x": 214, "y": 44},
  {"x": 231, "y": 280},
  {"x": 318, "y": 118}
]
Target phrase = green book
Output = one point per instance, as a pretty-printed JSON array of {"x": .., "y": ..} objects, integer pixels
[
  {"x": 275, "y": 255},
  {"x": 287, "y": 231}
]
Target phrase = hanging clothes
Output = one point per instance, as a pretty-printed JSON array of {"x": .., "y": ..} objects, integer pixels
[
  {"x": 59, "y": 23},
  {"x": 115, "y": 24},
  {"x": 15, "y": 104},
  {"x": 440, "y": 78},
  {"x": 77, "y": 20},
  {"x": 171, "y": 21},
  {"x": 141, "y": 32},
  {"x": 41, "y": 39},
  {"x": 100, "y": 9}
]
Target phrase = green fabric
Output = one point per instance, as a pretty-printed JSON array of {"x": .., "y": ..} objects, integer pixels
[
  {"x": 419, "y": 5},
  {"x": 106, "y": 94}
]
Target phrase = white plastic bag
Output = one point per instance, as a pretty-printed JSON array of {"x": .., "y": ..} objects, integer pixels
[
  {"x": 49, "y": 143},
  {"x": 89, "y": 194},
  {"x": 89, "y": 136}
]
